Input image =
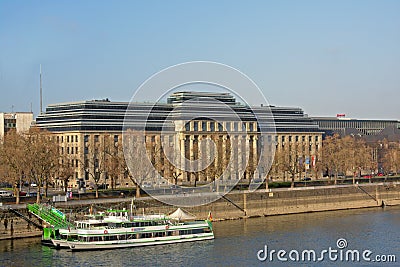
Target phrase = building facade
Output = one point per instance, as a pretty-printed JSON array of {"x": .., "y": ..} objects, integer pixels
[
  {"x": 19, "y": 121},
  {"x": 89, "y": 134},
  {"x": 345, "y": 126}
]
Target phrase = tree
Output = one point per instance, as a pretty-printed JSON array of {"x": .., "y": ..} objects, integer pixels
[
  {"x": 139, "y": 157},
  {"x": 13, "y": 160},
  {"x": 65, "y": 170},
  {"x": 391, "y": 156},
  {"x": 42, "y": 157},
  {"x": 95, "y": 165}
]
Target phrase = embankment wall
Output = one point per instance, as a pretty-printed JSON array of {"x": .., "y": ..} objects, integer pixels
[{"x": 235, "y": 205}]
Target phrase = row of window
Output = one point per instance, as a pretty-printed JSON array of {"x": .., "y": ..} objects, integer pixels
[
  {"x": 69, "y": 150},
  {"x": 217, "y": 126},
  {"x": 68, "y": 138},
  {"x": 139, "y": 235},
  {"x": 297, "y": 138},
  {"x": 96, "y": 138}
]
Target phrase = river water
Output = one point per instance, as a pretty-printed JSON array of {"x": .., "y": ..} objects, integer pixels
[{"x": 244, "y": 242}]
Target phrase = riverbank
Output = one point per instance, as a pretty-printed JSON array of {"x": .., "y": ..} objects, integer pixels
[{"x": 234, "y": 205}]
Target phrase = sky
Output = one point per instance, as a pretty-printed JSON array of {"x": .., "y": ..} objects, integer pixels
[{"x": 327, "y": 57}]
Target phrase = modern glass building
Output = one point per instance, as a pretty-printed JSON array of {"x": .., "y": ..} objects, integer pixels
[{"x": 346, "y": 126}]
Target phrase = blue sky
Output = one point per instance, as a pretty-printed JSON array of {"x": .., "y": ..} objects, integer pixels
[{"x": 327, "y": 57}]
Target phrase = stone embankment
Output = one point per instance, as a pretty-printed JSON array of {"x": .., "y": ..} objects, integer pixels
[{"x": 235, "y": 205}]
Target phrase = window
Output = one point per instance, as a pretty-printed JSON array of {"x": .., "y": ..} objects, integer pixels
[
  {"x": 76, "y": 138},
  {"x": 251, "y": 126},
  {"x": 96, "y": 138},
  {"x": 86, "y": 138},
  {"x": 290, "y": 138},
  {"x": 303, "y": 138},
  {"x": 76, "y": 150},
  {"x": 115, "y": 138},
  {"x": 196, "y": 125},
  {"x": 212, "y": 126},
  {"x": 316, "y": 138},
  {"x": 220, "y": 128},
  {"x": 67, "y": 150},
  {"x": 297, "y": 138},
  {"x": 67, "y": 138}
]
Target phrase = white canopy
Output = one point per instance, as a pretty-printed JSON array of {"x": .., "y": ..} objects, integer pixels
[{"x": 181, "y": 215}]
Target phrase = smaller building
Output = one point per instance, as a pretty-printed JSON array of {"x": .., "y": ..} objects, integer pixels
[
  {"x": 20, "y": 121},
  {"x": 346, "y": 126}
]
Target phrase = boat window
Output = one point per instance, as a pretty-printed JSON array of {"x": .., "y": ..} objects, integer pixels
[
  {"x": 197, "y": 231},
  {"x": 145, "y": 235},
  {"x": 157, "y": 234},
  {"x": 131, "y": 236}
]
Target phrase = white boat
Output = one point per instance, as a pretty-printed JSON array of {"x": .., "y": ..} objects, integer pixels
[{"x": 118, "y": 230}]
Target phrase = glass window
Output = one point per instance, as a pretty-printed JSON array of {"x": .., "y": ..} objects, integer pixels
[{"x": 212, "y": 126}]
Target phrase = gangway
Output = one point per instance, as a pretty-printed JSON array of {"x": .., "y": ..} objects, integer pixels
[{"x": 50, "y": 215}]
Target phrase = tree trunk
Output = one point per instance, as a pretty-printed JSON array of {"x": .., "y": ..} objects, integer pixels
[
  {"x": 38, "y": 194},
  {"x": 292, "y": 184},
  {"x": 137, "y": 191},
  {"x": 16, "y": 191},
  {"x": 266, "y": 183},
  {"x": 45, "y": 188},
  {"x": 97, "y": 191}
]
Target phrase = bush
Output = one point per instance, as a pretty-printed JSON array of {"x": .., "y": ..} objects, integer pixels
[{"x": 279, "y": 184}]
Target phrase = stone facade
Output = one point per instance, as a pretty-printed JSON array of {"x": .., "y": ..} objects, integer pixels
[{"x": 90, "y": 137}]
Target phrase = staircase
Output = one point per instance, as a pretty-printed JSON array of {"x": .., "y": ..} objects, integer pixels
[
  {"x": 50, "y": 215},
  {"x": 25, "y": 218}
]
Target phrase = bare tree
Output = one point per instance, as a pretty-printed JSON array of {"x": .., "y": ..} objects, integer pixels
[
  {"x": 12, "y": 160},
  {"x": 42, "y": 152},
  {"x": 139, "y": 157},
  {"x": 65, "y": 170}
]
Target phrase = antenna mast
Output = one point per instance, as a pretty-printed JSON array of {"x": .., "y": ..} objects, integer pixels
[{"x": 41, "y": 107}]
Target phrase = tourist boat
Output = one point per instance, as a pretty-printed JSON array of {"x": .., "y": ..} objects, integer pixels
[{"x": 117, "y": 229}]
